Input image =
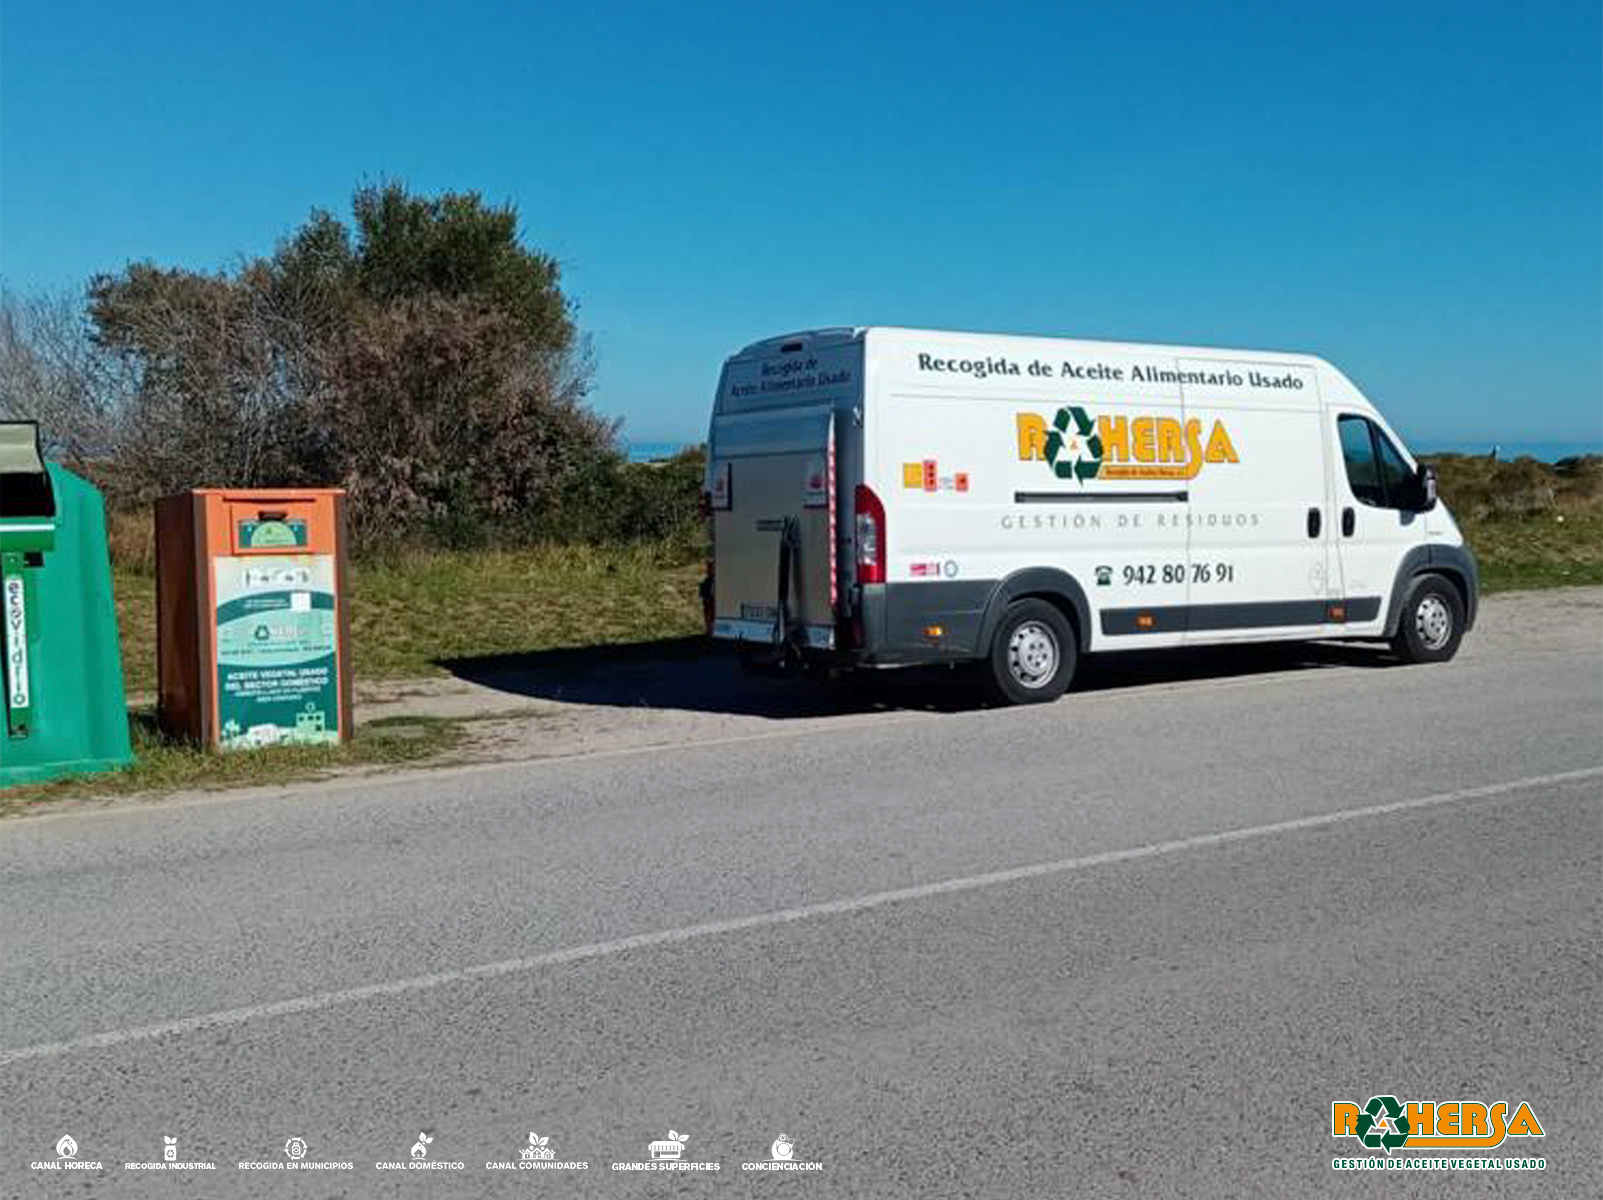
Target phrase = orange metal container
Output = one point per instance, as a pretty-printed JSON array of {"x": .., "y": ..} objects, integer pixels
[{"x": 252, "y": 625}]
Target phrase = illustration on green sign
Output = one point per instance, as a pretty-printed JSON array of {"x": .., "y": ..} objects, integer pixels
[
  {"x": 272, "y": 533},
  {"x": 276, "y": 638}
]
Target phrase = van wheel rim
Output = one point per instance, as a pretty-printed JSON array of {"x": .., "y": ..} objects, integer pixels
[
  {"x": 1032, "y": 655},
  {"x": 1433, "y": 621}
]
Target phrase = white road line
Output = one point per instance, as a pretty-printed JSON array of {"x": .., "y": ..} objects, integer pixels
[{"x": 784, "y": 916}]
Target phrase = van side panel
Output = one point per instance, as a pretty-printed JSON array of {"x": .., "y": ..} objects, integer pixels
[
  {"x": 1159, "y": 495},
  {"x": 1007, "y": 455},
  {"x": 1262, "y": 524}
]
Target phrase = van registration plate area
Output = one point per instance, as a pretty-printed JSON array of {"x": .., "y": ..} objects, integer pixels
[
  {"x": 759, "y": 612},
  {"x": 813, "y": 637}
]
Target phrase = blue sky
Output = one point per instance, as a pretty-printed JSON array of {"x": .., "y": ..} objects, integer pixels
[{"x": 1413, "y": 190}]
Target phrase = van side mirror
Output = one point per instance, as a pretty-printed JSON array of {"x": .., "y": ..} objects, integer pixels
[{"x": 1426, "y": 480}]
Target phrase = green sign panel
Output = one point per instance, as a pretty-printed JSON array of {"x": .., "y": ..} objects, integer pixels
[
  {"x": 277, "y": 678},
  {"x": 262, "y": 535}
]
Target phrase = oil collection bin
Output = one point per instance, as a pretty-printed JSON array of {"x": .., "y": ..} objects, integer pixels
[
  {"x": 64, "y": 711},
  {"x": 252, "y": 627}
]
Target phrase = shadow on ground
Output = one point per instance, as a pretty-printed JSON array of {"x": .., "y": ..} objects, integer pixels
[{"x": 696, "y": 674}]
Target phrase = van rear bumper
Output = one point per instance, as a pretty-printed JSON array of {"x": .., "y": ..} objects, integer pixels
[
  {"x": 766, "y": 633},
  {"x": 894, "y": 625},
  {"x": 898, "y": 622}
]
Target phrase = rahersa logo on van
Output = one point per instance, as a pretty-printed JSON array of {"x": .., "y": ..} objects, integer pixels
[{"x": 1078, "y": 447}]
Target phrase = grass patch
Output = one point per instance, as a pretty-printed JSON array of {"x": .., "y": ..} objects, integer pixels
[
  {"x": 409, "y": 609},
  {"x": 163, "y": 764},
  {"x": 135, "y": 592},
  {"x": 1538, "y": 551}
]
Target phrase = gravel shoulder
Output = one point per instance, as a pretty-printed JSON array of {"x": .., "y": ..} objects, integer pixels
[{"x": 628, "y": 698}]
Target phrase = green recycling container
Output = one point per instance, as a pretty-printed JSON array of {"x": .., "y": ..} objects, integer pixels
[{"x": 64, "y": 711}]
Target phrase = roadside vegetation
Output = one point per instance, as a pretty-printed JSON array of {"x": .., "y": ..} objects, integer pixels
[
  {"x": 163, "y": 765},
  {"x": 1531, "y": 524},
  {"x": 420, "y": 355},
  {"x": 414, "y": 606},
  {"x": 410, "y": 610}
]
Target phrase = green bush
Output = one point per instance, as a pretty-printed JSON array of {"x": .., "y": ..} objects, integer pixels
[
  {"x": 422, "y": 357},
  {"x": 616, "y": 501}
]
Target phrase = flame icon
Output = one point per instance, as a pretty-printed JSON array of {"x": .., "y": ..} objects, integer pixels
[{"x": 66, "y": 1147}]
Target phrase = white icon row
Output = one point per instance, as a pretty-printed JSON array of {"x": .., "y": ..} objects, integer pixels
[
  {"x": 265, "y": 577},
  {"x": 668, "y": 1149}
]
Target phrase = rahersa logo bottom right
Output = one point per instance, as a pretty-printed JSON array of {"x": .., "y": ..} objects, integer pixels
[{"x": 1386, "y": 1124}]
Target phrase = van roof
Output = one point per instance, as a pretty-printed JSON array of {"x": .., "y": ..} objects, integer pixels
[{"x": 838, "y": 334}]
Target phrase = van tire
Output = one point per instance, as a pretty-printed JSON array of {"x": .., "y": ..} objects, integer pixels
[
  {"x": 1033, "y": 654},
  {"x": 1431, "y": 623}
]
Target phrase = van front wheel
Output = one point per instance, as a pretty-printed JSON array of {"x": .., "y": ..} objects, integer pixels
[
  {"x": 1032, "y": 655},
  {"x": 1431, "y": 623}
]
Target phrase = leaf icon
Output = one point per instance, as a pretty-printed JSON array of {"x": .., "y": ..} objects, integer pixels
[
  {"x": 673, "y": 1136},
  {"x": 543, "y": 1141}
]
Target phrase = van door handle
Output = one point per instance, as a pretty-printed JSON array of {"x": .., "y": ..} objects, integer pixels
[
  {"x": 1349, "y": 520},
  {"x": 1313, "y": 522}
]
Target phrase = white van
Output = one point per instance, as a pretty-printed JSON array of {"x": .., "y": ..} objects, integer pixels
[{"x": 883, "y": 497}]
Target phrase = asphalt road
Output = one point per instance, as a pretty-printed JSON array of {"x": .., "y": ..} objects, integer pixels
[{"x": 1133, "y": 944}]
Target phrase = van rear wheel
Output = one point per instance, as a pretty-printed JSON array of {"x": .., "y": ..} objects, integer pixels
[
  {"x": 1431, "y": 623},
  {"x": 1033, "y": 654}
]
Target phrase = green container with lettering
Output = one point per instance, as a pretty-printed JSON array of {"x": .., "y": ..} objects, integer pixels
[{"x": 64, "y": 711}]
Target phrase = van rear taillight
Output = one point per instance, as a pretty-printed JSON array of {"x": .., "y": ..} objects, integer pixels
[{"x": 869, "y": 530}]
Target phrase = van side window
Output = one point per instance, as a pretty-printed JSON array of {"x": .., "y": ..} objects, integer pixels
[
  {"x": 1395, "y": 476},
  {"x": 1358, "y": 452}
]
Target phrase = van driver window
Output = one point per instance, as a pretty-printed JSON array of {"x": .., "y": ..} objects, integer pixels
[
  {"x": 1358, "y": 452},
  {"x": 1394, "y": 473}
]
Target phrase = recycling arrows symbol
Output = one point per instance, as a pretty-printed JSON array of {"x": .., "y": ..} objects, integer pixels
[
  {"x": 1085, "y": 465},
  {"x": 1374, "y": 1132}
]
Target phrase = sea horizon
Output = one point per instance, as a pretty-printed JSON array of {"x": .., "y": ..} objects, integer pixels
[
  {"x": 644, "y": 451},
  {"x": 1548, "y": 452}
]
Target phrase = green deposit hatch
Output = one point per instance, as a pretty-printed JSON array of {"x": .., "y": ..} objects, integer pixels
[{"x": 64, "y": 710}]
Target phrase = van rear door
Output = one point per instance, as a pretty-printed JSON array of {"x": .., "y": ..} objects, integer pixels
[{"x": 772, "y": 487}]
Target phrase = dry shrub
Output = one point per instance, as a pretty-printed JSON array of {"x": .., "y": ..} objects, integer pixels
[
  {"x": 131, "y": 533},
  {"x": 1482, "y": 488}
]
